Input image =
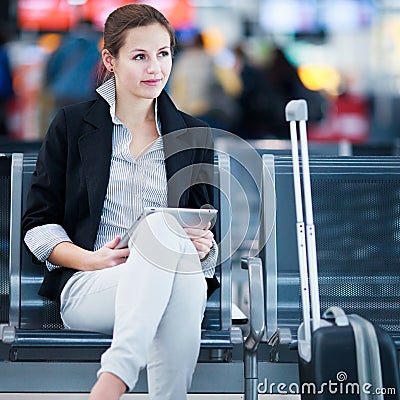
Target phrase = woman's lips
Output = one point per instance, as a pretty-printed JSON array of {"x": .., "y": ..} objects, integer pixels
[{"x": 152, "y": 82}]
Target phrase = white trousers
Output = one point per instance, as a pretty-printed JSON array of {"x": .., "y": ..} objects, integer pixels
[{"x": 153, "y": 304}]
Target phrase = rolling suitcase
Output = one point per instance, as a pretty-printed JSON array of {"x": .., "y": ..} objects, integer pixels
[{"x": 340, "y": 356}]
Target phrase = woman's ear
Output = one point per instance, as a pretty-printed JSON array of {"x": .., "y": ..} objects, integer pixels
[{"x": 108, "y": 60}]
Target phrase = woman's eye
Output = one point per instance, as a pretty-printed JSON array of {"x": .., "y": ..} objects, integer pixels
[
  {"x": 139, "y": 57},
  {"x": 164, "y": 53}
]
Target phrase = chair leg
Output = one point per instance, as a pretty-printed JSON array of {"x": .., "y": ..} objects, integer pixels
[
  {"x": 250, "y": 375},
  {"x": 257, "y": 326}
]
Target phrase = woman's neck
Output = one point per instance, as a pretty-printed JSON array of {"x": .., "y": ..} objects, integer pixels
[{"x": 135, "y": 113}]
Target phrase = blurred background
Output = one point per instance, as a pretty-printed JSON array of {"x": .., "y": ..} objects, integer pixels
[{"x": 237, "y": 64}]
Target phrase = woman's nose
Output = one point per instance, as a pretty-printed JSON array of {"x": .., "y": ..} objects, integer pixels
[{"x": 153, "y": 66}]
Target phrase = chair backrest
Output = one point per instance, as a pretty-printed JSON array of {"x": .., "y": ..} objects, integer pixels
[
  {"x": 246, "y": 167},
  {"x": 5, "y": 209},
  {"x": 10, "y": 146},
  {"x": 31, "y": 311},
  {"x": 357, "y": 223},
  {"x": 36, "y": 312}
]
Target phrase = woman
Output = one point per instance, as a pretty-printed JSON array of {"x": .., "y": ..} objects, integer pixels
[{"x": 101, "y": 162}]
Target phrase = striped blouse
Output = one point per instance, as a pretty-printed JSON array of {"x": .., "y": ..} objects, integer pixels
[{"x": 133, "y": 185}]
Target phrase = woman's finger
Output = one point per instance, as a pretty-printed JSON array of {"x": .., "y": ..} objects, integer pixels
[
  {"x": 198, "y": 233},
  {"x": 112, "y": 243}
]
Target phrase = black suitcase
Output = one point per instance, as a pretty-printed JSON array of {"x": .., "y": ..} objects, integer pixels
[{"x": 340, "y": 356}]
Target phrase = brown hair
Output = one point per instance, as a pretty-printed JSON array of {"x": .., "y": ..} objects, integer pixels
[{"x": 128, "y": 17}]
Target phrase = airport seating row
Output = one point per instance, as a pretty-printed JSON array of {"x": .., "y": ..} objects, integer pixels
[
  {"x": 33, "y": 334},
  {"x": 356, "y": 204},
  {"x": 357, "y": 216}
]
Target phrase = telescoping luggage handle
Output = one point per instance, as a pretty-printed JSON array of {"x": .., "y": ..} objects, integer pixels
[{"x": 297, "y": 114}]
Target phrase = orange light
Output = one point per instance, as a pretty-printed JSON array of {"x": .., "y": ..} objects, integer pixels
[
  {"x": 180, "y": 13},
  {"x": 49, "y": 42},
  {"x": 213, "y": 39},
  {"x": 320, "y": 77}
]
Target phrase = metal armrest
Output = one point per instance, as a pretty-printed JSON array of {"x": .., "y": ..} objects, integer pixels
[
  {"x": 15, "y": 238},
  {"x": 257, "y": 325},
  {"x": 256, "y": 299}
]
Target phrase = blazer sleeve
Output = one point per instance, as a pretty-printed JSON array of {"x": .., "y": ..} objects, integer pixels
[{"x": 46, "y": 197}]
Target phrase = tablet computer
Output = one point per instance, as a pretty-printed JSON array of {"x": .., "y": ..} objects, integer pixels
[{"x": 187, "y": 217}]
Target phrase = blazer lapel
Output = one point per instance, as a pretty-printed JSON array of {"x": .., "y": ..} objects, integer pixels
[
  {"x": 178, "y": 151},
  {"x": 95, "y": 147}
]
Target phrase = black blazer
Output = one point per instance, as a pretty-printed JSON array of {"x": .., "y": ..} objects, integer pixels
[{"x": 72, "y": 172}]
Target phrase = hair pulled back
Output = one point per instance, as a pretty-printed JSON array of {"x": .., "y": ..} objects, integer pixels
[{"x": 128, "y": 17}]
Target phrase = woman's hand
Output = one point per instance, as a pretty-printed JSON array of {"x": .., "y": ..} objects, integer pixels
[
  {"x": 108, "y": 256},
  {"x": 202, "y": 239},
  {"x": 72, "y": 256}
]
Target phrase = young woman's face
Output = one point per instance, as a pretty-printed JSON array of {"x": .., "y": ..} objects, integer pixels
[{"x": 144, "y": 62}]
